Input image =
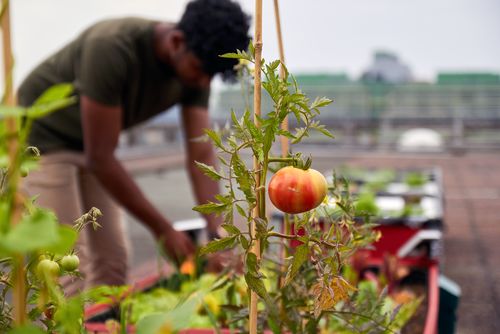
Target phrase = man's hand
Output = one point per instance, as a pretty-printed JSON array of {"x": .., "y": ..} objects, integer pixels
[{"x": 177, "y": 245}]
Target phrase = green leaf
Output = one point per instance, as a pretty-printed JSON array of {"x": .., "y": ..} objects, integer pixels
[
  {"x": 55, "y": 98},
  {"x": 66, "y": 242},
  {"x": 255, "y": 284},
  {"x": 35, "y": 231},
  {"x": 252, "y": 129},
  {"x": 241, "y": 211},
  {"x": 244, "y": 242},
  {"x": 218, "y": 245},
  {"x": 26, "y": 329},
  {"x": 251, "y": 49},
  {"x": 69, "y": 314},
  {"x": 209, "y": 171},
  {"x": 174, "y": 320},
  {"x": 231, "y": 229},
  {"x": 244, "y": 179},
  {"x": 238, "y": 55},
  {"x": 211, "y": 207},
  {"x": 214, "y": 136},
  {"x": 324, "y": 131},
  {"x": 320, "y": 102},
  {"x": 273, "y": 66},
  {"x": 260, "y": 227},
  {"x": 41, "y": 110},
  {"x": 299, "y": 258},
  {"x": 231, "y": 55},
  {"x": 54, "y": 93}
]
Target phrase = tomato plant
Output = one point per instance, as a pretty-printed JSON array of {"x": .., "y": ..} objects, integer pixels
[
  {"x": 31, "y": 238},
  {"x": 295, "y": 190}
]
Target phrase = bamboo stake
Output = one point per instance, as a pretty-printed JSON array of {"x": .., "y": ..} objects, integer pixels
[
  {"x": 257, "y": 212},
  {"x": 284, "y": 140},
  {"x": 284, "y": 125},
  {"x": 19, "y": 290}
]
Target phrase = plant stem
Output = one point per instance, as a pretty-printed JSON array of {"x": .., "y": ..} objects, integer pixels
[{"x": 253, "y": 312}]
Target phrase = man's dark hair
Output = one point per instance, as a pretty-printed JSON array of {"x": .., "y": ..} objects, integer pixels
[{"x": 212, "y": 28}]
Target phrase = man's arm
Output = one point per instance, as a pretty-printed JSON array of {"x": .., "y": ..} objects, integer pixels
[
  {"x": 194, "y": 120},
  {"x": 101, "y": 128}
]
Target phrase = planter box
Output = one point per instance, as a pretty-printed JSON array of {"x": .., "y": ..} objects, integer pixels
[
  {"x": 427, "y": 320},
  {"x": 96, "y": 315}
]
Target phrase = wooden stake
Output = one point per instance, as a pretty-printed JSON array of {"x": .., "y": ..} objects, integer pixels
[
  {"x": 19, "y": 290},
  {"x": 257, "y": 166},
  {"x": 284, "y": 125},
  {"x": 8, "y": 61}
]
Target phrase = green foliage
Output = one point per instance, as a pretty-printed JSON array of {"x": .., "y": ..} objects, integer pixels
[
  {"x": 366, "y": 205},
  {"x": 415, "y": 179},
  {"x": 29, "y": 234},
  {"x": 374, "y": 310},
  {"x": 218, "y": 245}
]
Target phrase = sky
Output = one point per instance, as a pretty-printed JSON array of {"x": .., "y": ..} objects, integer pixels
[{"x": 319, "y": 35}]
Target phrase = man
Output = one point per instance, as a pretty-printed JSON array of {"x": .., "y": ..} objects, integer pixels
[{"x": 126, "y": 71}]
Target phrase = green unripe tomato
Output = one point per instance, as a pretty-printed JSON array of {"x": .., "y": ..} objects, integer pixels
[
  {"x": 70, "y": 262},
  {"x": 48, "y": 268}
]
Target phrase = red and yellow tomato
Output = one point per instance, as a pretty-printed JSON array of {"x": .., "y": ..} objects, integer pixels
[{"x": 294, "y": 190}]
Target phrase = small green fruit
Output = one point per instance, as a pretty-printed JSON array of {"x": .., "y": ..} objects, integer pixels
[{"x": 70, "y": 262}]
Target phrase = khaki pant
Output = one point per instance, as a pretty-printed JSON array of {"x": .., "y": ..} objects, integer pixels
[{"x": 66, "y": 187}]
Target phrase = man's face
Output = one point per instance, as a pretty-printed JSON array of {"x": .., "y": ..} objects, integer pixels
[{"x": 190, "y": 70}]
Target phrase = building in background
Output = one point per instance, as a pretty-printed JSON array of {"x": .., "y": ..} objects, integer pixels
[
  {"x": 375, "y": 110},
  {"x": 387, "y": 68}
]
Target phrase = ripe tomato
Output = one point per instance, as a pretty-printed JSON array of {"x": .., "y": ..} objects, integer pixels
[
  {"x": 294, "y": 190},
  {"x": 48, "y": 268},
  {"x": 70, "y": 262}
]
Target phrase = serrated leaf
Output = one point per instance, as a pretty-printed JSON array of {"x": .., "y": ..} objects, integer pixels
[
  {"x": 218, "y": 245},
  {"x": 231, "y": 229},
  {"x": 211, "y": 207},
  {"x": 209, "y": 171},
  {"x": 231, "y": 55},
  {"x": 320, "y": 102},
  {"x": 257, "y": 285},
  {"x": 299, "y": 134},
  {"x": 244, "y": 242},
  {"x": 214, "y": 136},
  {"x": 243, "y": 178},
  {"x": 299, "y": 258},
  {"x": 273, "y": 66},
  {"x": 241, "y": 211}
]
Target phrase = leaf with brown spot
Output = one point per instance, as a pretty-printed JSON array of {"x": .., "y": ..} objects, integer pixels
[{"x": 327, "y": 296}]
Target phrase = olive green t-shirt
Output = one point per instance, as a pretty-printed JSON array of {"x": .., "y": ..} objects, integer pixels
[{"x": 112, "y": 62}]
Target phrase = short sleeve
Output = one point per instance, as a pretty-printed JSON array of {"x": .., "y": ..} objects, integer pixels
[
  {"x": 103, "y": 70},
  {"x": 195, "y": 97}
]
